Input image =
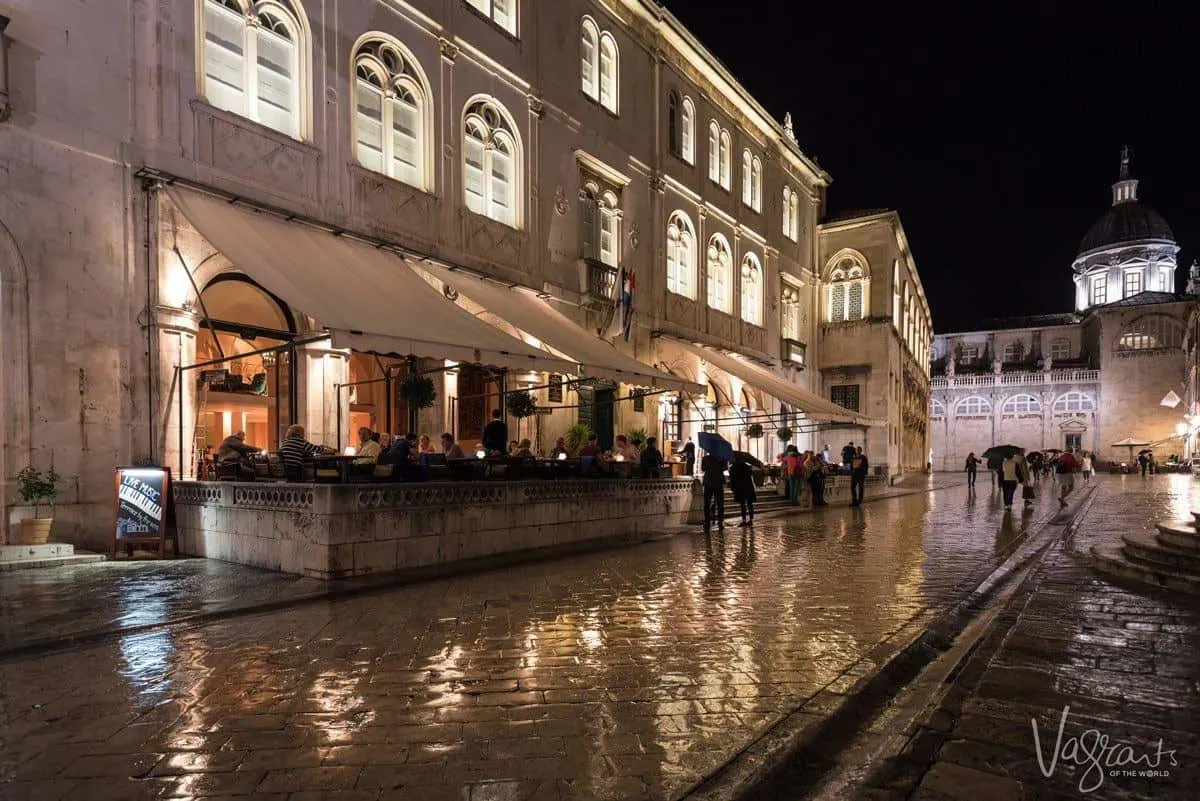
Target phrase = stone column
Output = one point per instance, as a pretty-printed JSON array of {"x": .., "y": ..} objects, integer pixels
[
  {"x": 176, "y": 330},
  {"x": 319, "y": 371}
]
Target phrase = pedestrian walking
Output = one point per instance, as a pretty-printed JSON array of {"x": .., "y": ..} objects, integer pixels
[
  {"x": 1143, "y": 460},
  {"x": 858, "y": 476},
  {"x": 1067, "y": 467},
  {"x": 972, "y": 467},
  {"x": 1010, "y": 476},
  {"x": 848, "y": 453},
  {"x": 741, "y": 481},
  {"x": 1085, "y": 467},
  {"x": 712, "y": 471},
  {"x": 815, "y": 470},
  {"x": 793, "y": 474},
  {"x": 1027, "y": 492}
]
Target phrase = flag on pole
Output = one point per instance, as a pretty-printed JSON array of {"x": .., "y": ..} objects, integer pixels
[{"x": 622, "y": 319}]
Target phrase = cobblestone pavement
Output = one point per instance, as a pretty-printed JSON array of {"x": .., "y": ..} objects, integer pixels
[
  {"x": 1125, "y": 662},
  {"x": 616, "y": 675}
]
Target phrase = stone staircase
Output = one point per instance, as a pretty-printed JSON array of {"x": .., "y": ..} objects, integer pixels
[
  {"x": 51, "y": 554},
  {"x": 1168, "y": 559}
]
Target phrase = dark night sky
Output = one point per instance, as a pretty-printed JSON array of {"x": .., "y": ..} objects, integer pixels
[{"x": 995, "y": 134}]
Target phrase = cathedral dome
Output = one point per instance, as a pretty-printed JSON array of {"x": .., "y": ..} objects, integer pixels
[{"x": 1128, "y": 220}]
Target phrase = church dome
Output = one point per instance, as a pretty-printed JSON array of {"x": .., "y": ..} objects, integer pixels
[{"x": 1128, "y": 220}]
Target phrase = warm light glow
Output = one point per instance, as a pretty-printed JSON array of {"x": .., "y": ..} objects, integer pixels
[
  {"x": 620, "y": 458},
  {"x": 1181, "y": 428},
  {"x": 562, "y": 457},
  {"x": 350, "y": 451},
  {"x": 481, "y": 454}
]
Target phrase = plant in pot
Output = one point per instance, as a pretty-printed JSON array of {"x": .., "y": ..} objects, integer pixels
[
  {"x": 784, "y": 434},
  {"x": 576, "y": 437},
  {"x": 418, "y": 393},
  {"x": 754, "y": 431},
  {"x": 520, "y": 404},
  {"x": 637, "y": 436},
  {"x": 37, "y": 487}
]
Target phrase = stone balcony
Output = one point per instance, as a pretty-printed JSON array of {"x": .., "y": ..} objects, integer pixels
[{"x": 1023, "y": 378}]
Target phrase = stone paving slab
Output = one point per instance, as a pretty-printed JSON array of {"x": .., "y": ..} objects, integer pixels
[
  {"x": 1122, "y": 663},
  {"x": 627, "y": 674}
]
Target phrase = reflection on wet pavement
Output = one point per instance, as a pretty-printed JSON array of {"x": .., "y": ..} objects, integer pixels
[{"x": 625, "y": 674}]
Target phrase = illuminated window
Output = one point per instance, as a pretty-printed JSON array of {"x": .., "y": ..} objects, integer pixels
[
  {"x": 974, "y": 406},
  {"x": 726, "y": 166},
  {"x": 1151, "y": 332},
  {"x": 791, "y": 214},
  {"x": 1133, "y": 283},
  {"x": 501, "y": 12},
  {"x": 1013, "y": 352},
  {"x": 1099, "y": 290},
  {"x": 601, "y": 221},
  {"x": 687, "y": 131},
  {"x": 845, "y": 395},
  {"x": 714, "y": 152},
  {"x": 752, "y": 290},
  {"x": 789, "y": 324},
  {"x": 1060, "y": 349},
  {"x": 1020, "y": 404},
  {"x": 896, "y": 318},
  {"x": 1074, "y": 402},
  {"x": 392, "y": 123},
  {"x": 254, "y": 63},
  {"x": 747, "y": 190},
  {"x": 719, "y": 274},
  {"x": 609, "y": 72},
  {"x": 589, "y": 47},
  {"x": 492, "y": 163},
  {"x": 846, "y": 291},
  {"x": 681, "y": 256}
]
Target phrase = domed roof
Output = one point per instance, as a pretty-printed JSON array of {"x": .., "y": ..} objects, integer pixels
[{"x": 1129, "y": 221}]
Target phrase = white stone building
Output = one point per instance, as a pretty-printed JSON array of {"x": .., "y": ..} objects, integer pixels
[
  {"x": 337, "y": 152},
  {"x": 1112, "y": 371}
]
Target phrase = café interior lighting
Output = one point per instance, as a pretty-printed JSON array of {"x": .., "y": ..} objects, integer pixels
[
  {"x": 350, "y": 451},
  {"x": 562, "y": 457},
  {"x": 481, "y": 454}
]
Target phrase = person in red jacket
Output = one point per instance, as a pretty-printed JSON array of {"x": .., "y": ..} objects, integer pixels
[{"x": 1068, "y": 465}]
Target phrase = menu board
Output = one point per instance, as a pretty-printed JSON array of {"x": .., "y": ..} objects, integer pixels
[{"x": 143, "y": 505}]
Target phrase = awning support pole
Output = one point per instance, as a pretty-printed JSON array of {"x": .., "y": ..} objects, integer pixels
[{"x": 179, "y": 389}]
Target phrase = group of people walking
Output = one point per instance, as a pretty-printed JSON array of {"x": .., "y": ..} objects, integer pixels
[{"x": 1016, "y": 469}]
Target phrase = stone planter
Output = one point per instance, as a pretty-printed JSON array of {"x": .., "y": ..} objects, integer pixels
[{"x": 35, "y": 530}]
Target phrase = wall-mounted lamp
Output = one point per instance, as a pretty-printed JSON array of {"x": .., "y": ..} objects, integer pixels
[{"x": 5, "y": 106}]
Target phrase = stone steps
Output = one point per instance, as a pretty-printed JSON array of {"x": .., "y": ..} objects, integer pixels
[
  {"x": 1181, "y": 534},
  {"x": 1150, "y": 550},
  {"x": 1112, "y": 561},
  {"x": 50, "y": 554}
]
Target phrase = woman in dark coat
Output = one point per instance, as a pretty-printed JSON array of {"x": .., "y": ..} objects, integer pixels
[{"x": 741, "y": 481}]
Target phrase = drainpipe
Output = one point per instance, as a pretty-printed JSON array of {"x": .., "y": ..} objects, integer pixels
[{"x": 5, "y": 107}]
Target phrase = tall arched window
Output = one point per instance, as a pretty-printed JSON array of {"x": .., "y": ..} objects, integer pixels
[
  {"x": 1151, "y": 332},
  {"x": 501, "y": 12},
  {"x": 747, "y": 181},
  {"x": 1021, "y": 404},
  {"x": 847, "y": 290},
  {"x": 937, "y": 409},
  {"x": 1074, "y": 402},
  {"x": 756, "y": 184},
  {"x": 752, "y": 289},
  {"x": 719, "y": 274},
  {"x": 256, "y": 63},
  {"x": 392, "y": 122},
  {"x": 714, "y": 152},
  {"x": 610, "y": 65},
  {"x": 681, "y": 255},
  {"x": 589, "y": 51},
  {"x": 492, "y": 163},
  {"x": 726, "y": 155},
  {"x": 974, "y": 406},
  {"x": 687, "y": 131}
]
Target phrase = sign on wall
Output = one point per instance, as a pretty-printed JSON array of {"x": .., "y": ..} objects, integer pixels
[{"x": 143, "y": 505}]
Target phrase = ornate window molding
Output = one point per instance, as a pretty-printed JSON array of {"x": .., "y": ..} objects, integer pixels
[
  {"x": 752, "y": 289},
  {"x": 393, "y": 113},
  {"x": 492, "y": 162},
  {"x": 681, "y": 255},
  {"x": 719, "y": 274}
]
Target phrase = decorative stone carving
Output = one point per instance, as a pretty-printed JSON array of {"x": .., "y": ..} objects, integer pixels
[
  {"x": 634, "y": 236},
  {"x": 950, "y": 366},
  {"x": 720, "y": 325},
  {"x": 249, "y": 153},
  {"x": 657, "y": 183},
  {"x": 997, "y": 366},
  {"x": 536, "y": 106},
  {"x": 561, "y": 204},
  {"x": 391, "y": 205},
  {"x": 788, "y": 131},
  {"x": 273, "y": 497},
  {"x": 447, "y": 48},
  {"x": 681, "y": 311},
  {"x": 492, "y": 241},
  {"x": 754, "y": 337}
]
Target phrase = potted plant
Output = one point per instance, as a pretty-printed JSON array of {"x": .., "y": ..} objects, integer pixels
[
  {"x": 520, "y": 404},
  {"x": 784, "y": 434},
  {"x": 418, "y": 393},
  {"x": 37, "y": 487},
  {"x": 576, "y": 437},
  {"x": 637, "y": 436},
  {"x": 754, "y": 431}
]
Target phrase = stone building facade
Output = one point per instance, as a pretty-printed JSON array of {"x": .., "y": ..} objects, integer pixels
[
  {"x": 546, "y": 146},
  {"x": 1110, "y": 372}
]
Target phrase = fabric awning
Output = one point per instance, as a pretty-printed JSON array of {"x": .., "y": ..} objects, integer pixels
[
  {"x": 813, "y": 405},
  {"x": 368, "y": 298},
  {"x": 536, "y": 317}
]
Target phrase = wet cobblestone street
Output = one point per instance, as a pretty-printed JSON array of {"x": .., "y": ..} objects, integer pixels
[{"x": 623, "y": 674}]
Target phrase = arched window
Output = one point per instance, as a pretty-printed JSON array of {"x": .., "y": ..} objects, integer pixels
[
  {"x": 492, "y": 163},
  {"x": 714, "y": 152},
  {"x": 392, "y": 121},
  {"x": 601, "y": 224},
  {"x": 847, "y": 290},
  {"x": 610, "y": 65},
  {"x": 896, "y": 319},
  {"x": 790, "y": 312},
  {"x": 501, "y": 12},
  {"x": 256, "y": 63},
  {"x": 974, "y": 406},
  {"x": 687, "y": 131},
  {"x": 937, "y": 409},
  {"x": 1020, "y": 404},
  {"x": 752, "y": 289},
  {"x": 719, "y": 274},
  {"x": 756, "y": 185},
  {"x": 726, "y": 155},
  {"x": 747, "y": 179},
  {"x": 1074, "y": 402},
  {"x": 681, "y": 255},
  {"x": 589, "y": 47},
  {"x": 1151, "y": 332}
]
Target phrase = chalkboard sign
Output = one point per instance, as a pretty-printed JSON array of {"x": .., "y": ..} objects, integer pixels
[{"x": 143, "y": 505}]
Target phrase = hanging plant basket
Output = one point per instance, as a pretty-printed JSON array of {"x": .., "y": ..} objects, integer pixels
[
  {"x": 418, "y": 391},
  {"x": 784, "y": 434},
  {"x": 754, "y": 431}
]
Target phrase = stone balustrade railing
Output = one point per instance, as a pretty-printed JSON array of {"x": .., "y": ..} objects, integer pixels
[{"x": 1023, "y": 378}]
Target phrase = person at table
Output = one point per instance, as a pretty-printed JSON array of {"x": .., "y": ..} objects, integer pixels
[
  {"x": 425, "y": 445},
  {"x": 625, "y": 450},
  {"x": 560, "y": 447},
  {"x": 368, "y": 447},
  {"x": 495, "y": 434},
  {"x": 651, "y": 458},
  {"x": 295, "y": 450},
  {"x": 524, "y": 449},
  {"x": 450, "y": 448},
  {"x": 592, "y": 448},
  {"x": 235, "y": 451},
  {"x": 512, "y": 448},
  {"x": 400, "y": 451}
]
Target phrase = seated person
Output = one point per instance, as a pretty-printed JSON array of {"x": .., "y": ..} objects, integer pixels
[
  {"x": 512, "y": 448},
  {"x": 625, "y": 449},
  {"x": 235, "y": 451},
  {"x": 295, "y": 450},
  {"x": 368, "y": 446},
  {"x": 450, "y": 448},
  {"x": 560, "y": 447},
  {"x": 592, "y": 448},
  {"x": 524, "y": 449},
  {"x": 425, "y": 445}
]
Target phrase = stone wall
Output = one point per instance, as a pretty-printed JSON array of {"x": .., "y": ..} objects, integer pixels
[{"x": 336, "y": 531}]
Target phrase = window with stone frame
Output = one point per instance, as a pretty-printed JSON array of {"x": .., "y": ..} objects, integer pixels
[
  {"x": 719, "y": 274},
  {"x": 600, "y": 220},
  {"x": 789, "y": 305},
  {"x": 974, "y": 406},
  {"x": 1100, "y": 290},
  {"x": 491, "y": 163},
  {"x": 1060, "y": 349},
  {"x": 1021, "y": 404},
  {"x": 845, "y": 395},
  {"x": 501, "y": 12},
  {"x": 1074, "y": 402},
  {"x": 392, "y": 121},
  {"x": 1133, "y": 282},
  {"x": 937, "y": 409},
  {"x": 1013, "y": 352},
  {"x": 846, "y": 291},
  {"x": 752, "y": 289},
  {"x": 681, "y": 255}
]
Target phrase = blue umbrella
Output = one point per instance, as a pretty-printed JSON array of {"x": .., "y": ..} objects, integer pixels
[{"x": 717, "y": 445}]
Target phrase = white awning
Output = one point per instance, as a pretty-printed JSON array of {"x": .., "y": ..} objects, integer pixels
[
  {"x": 538, "y": 318},
  {"x": 813, "y": 405},
  {"x": 368, "y": 298}
]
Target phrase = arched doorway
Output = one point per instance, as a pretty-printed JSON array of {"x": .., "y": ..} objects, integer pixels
[
  {"x": 15, "y": 395},
  {"x": 252, "y": 390}
]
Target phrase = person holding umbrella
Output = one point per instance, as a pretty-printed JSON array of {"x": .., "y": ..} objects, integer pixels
[
  {"x": 718, "y": 454},
  {"x": 995, "y": 456},
  {"x": 741, "y": 481}
]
